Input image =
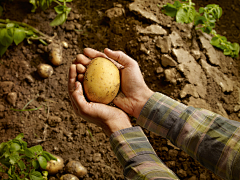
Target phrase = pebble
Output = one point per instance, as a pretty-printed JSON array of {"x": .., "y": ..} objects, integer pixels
[
  {"x": 96, "y": 157},
  {"x": 173, "y": 153},
  {"x": 159, "y": 70},
  {"x": 29, "y": 78},
  {"x": 166, "y": 61},
  {"x": 70, "y": 27},
  {"x": 170, "y": 75},
  {"x": 236, "y": 108},
  {"x": 181, "y": 173},
  {"x": 2, "y": 107},
  {"x": 54, "y": 120},
  {"x": 12, "y": 98}
]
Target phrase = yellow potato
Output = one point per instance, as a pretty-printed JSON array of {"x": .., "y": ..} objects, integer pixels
[{"x": 101, "y": 81}]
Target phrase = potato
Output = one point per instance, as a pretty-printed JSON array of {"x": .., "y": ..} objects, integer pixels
[
  {"x": 44, "y": 70},
  {"x": 68, "y": 177},
  {"x": 76, "y": 168},
  {"x": 55, "y": 54},
  {"x": 101, "y": 81},
  {"x": 54, "y": 166}
]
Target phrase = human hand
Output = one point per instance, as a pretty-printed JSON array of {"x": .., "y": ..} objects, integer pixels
[
  {"x": 110, "y": 119},
  {"x": 134, "y": 91}
]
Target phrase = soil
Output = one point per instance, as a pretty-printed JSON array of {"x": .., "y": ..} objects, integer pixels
[{"x": 55, "y": 126}]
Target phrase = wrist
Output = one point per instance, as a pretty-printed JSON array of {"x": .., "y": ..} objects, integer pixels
[
  {"x": 121, "y": 122},
  {"x": 145, "y": 96}
]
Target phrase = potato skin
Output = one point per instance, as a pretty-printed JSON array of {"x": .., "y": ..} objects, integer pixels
[
  {"x": 101, "y": 81},
  {"x": 76, "y": 168},
  {"x": 68, "y": 177},
  {"x": 54, "y": 166},
  {"x": 44, "y": 70}
]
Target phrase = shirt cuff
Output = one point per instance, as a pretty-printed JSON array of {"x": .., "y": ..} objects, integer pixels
[
  {"x": 160, "y": 113},
  {"x": 129, "y": 143}
]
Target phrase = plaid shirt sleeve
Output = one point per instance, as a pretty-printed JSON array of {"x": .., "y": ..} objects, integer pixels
[
  {"x": 137, "y": 156},
  {"x": 208, "y": 137}
]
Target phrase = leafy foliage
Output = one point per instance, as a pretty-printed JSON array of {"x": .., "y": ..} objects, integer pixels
[
  {"x": 10, "y": 33},
  {"x": 20, "y": 162},
  {"x": 62, "y": 10},
  {"x": 205, "y": 19}
]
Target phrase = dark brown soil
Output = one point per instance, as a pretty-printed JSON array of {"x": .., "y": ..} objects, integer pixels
[{"x": 55, "y": 126}]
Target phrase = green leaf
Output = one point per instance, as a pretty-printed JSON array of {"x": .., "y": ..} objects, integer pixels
[
  {"x": 170, "y": 10},
  {"x": 60, "y": 9},
  {"x": 14, "y": 158},
  {"x": 201, "y": 10},
  {"x": 42, "y": 161},
  {"x": 2, "y": 145},
  {"x": 20, "y": 136},
  {"x": 21, "y": 165},
  {"x": 6, "y": 37},
  {"x": 215, "y": 41},
  {"x": 199, "y": 20},
  {"x": 34, "y": 3},
  {"x": 5, "y": 162},
  {"x": 35, "y": 164},
  {"x": 35, "y": 175},
  {"x": 48, "y": 156},
  {"x": 177, "y": 4},
  {"x": 36, "y": 149},
  {"x": 59, "y": 20},
  {"x": 29, "y": 153},
  {"x": 15, "y": 147},
  {"x": 10, "y": 25},
  {"x": 19, "y": 35},
  {"x": 236, "y": 47},
  {"x": 3, "y": 49},
  {"x": 44, "y": 4}
]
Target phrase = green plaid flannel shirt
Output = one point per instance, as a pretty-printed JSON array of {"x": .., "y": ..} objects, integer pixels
[{"x": 206, "y": 136}]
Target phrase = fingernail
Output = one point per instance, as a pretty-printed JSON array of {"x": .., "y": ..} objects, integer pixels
[
  {"x": 76, "y": 85},
  {"x": 109, "y": 49}
]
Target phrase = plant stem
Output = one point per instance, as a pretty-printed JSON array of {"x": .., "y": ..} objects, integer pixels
[
  {"x": 57, "y": 2},
  {"x": 24, "y": 25}
]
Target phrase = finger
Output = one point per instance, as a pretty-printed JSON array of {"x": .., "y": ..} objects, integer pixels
[
  {"x": 80, "y": 69},
  {"x": 79, "y": 99},
  {"x": 119, "y": 56},
  {"x": 81, "y": 59},
  {"x": 72, "y": 78},
  {"x": 92, "y": 53},
  {"x": 80, "y": 77}
]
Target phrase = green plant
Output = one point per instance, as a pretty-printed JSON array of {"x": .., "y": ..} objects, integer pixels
[
  {"x": 13, "y": 31},
  {"x": 61, "y": 9},
  {"x": 20, "y": 162},
  {"x": 205, "y": 20}
]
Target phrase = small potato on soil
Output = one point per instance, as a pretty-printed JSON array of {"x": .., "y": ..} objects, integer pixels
[
  {"x": 76, "y": 168},
  {"x": 55, "y": 54},
  {"x": 54, "y": 166},
  {"x": 68, "y": 177},
  {"x": 44, "y": 70}
]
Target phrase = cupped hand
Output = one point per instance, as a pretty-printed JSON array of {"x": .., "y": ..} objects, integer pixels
[
  {"x": 134, "y": 91},
  {"x": 110, "y": 119}
]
